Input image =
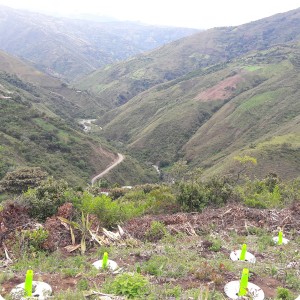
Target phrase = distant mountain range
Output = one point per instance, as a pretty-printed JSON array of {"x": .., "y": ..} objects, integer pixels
[
  {"x": 70, "y": 48},
  {"x": 117, "y": 84},
  {"x": 206, "y": 98}
]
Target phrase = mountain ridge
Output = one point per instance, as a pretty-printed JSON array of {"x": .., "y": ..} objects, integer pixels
[
  {"x": 69, "y": 48},
  {"x": 117, "y": 84},
  {"x": 185, "y": 118}
]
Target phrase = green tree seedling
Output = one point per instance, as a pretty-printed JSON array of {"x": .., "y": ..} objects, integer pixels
[
  {"x": 244, "y": 283},
  {"x": 280, "y": 236},
  {"x": 28, "y": 283},
  {"x": 243, "y": 253},
  {"x": 105, "y": 260}
]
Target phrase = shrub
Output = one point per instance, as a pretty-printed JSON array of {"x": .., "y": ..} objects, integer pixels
[
  {"x": 155, "y": 265},
  {"x": 156, "y": 232},
  {"x": 192, "y": 197},
  {"x": 20, "y": 180},
  {"x": 208, "y": 272},
  {"x": 117, "y": 193},
  {"x": 102, "y": 206},
  {"x": 83, "y": 285},
  {"x": 283, "y": 294},
  {"x": 129, "y": 285},
  {"x": 216, "y": 245},
  {"x": 32, "y": 240},
  {"x": 261, "y": 193},
  {"x": 196, "y": 196},
  {"x": 109, "y": 212},
  {"x": 43, "y": 201}
]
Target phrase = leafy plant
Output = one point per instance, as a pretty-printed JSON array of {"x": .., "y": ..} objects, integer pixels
[
  {"x": 206, "y": 271},
  {"x": 20, "y": 180},
  {"x": 196, "y": 196},
  {"x": 131, "y": 285},
  {"x": 216, "y": 245},
  {"x": 283, "y": 294},
  {"x": 83, "y": 284},
  {"x": 261, "y": 194},
  {"x": 156, "y": 232},
  {"x": 155, "y": 265},
  {"x": 43, "y": 201},
  {"x": 84, "y": 227},
  {"x": 35, "y": 238}
]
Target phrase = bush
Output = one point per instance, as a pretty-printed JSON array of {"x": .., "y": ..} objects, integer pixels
[
  {"x": 20, "y": 180},
  {"x": 196, "y": 196},
  {"x": 129, "y": 285},
  {"x": 216, "y": 245},
  {"x": 43, "y": 201},
  {"x": 283, "y": 294},
  {"x": 34, "y": 239},
  {"x": 106, "y": 210},
  {"x": 156, "y": 232},
  {"x": 109, "y": 212},
  {"x": 261, "y": 193}
]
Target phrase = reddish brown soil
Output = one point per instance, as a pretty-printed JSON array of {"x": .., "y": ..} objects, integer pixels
[
  {"x": 221, "y": 91},
  {"x": 231, "y": 217}
]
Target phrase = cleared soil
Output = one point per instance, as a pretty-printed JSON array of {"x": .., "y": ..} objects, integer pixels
[{"x": 221, "y": 91}]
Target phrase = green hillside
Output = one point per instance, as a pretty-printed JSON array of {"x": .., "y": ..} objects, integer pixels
[
  {"x": 262, "y": 122},
  {"x": 117, "y": 84},
  {"x": 70, "y": 48},
  {"x": 247, "y": 106},
  {"x": 58, "y": 96},
  {"x": 32, "y": 135},
  {"x": 38, "y": 129}
]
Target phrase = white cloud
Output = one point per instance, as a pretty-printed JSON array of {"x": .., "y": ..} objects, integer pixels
[{"x": 192, "y": 13}]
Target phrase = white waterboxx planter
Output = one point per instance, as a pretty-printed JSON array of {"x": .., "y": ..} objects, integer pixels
[
  {"x": 236, "y": 254},
  {"x": 112, "y": 265},
  {"x": 284, "y": 240},
  {"x": 232, "y": 288},
  {"x": 40, "y": 291}
]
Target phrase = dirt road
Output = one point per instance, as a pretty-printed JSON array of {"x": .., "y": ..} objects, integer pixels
[{"x": 119, "y": 159}]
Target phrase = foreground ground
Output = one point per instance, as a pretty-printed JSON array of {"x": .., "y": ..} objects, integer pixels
[{"x": 183, "y": 256}]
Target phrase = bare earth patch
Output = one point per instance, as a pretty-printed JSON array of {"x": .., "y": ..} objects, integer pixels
[
  {"x": 231, "y": 217},
  {"x": 222, "y": 90}
]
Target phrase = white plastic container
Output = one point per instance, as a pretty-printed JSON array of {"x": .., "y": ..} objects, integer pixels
[
  {"x": 236, "y": 254},
  {"x": 232, "y": 288},
  {"x": 40, "y": 291},
  {"x": 112, "y": 265}
]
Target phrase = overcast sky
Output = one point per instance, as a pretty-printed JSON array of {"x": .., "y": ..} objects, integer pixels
[{"x": 185, "y": 13}]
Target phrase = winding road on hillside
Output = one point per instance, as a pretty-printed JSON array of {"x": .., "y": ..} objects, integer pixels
[{"x": 118, "y": 160}]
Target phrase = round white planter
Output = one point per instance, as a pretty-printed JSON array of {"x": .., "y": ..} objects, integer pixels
[
  {"x": 112, "y": 265},
  {"x": 236, "y": 254},
  {"x": 284, "y": 240},
  {"x": 232, "y": 288},
  {"x": 40, "y": 291}
]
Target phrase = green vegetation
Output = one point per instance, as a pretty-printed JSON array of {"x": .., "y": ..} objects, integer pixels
[
  {"x": 165, "y": 252},
  {"x": 130, "y": 285},
  {"x": 195, "y": 54},
  {"x": 221, "y": 127},
  {"x": 176, "y": 120},
  {"x": 36, "y": 130},
  {"x": 283, "y": 294},
  {"x": 43, "y": 201}
]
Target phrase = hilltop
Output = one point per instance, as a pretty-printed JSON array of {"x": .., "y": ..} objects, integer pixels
[
  {"x": 71, "y": 48},
  {"x": 117, "y": 84}
]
